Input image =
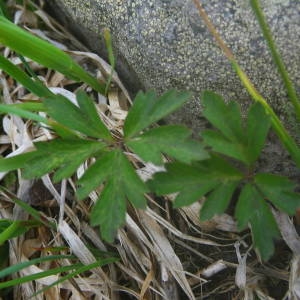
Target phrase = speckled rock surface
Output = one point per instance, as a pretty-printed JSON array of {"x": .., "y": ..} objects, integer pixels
[{"x": 164, "y": 43}]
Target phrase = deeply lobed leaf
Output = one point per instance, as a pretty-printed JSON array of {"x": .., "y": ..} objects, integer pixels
[
  {"x": 120, "y": 183},
  {"x": 252, "y": 208},
  {"x": 87, "y": 106},
  {"x": 243, "y": 143},
  {"x": 219, "y": 143},
  {"x": 110, "y": 209},
  {"x": 195, "y": 180},
  {"x": 60, "y": 153},
  {"x": 83, "y": 118},
  {"x": 258, "y": 125},
  {"x": 172, "y": 140},
  {"x": 218, "y": 200},
  {"x": 225, "y": 117},
  {"x": 279, "y": 190},
  {"x": 148, "y": 108}
]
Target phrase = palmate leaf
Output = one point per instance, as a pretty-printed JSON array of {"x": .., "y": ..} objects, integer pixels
[
  {"x": 279, "y": 190},
  {"x": 60, "y": 153},
  {"x": 185, "y": 179},
  {"x": 221, "y": 144},
  {"x": 242, "y": 142},
  {"x": 110, "y": 209},
  {"x": 195, "y": 180},
  {"x": 148, "y": 108},
  {"x": 252, "y": 208},
  {"x": 121, "y": 183},
  {"x": 172, "y": 140},
  {"x": 87, "y": 107},
  {"x": 258, "y": 125},
  {"x": 218, "y": 200},
  {"x": 225, "y": 117},
  {"x": 83, "y": 118}
]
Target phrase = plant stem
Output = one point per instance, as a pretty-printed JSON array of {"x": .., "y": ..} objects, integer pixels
[{"x": 276, "y": 56}]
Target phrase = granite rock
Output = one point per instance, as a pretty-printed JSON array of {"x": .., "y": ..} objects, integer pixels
[{"x": 162, "y": 44}]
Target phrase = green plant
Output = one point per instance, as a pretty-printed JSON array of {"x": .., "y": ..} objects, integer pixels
[
  {"x": 199, "y": 168},
  {"x": 88, "y": 137},
  {"x": 283, "y": 135},
  {"x": 219, "y": 179}
]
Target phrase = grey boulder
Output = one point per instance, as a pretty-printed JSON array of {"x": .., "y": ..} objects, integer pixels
[{"x": 161, "y": 44}]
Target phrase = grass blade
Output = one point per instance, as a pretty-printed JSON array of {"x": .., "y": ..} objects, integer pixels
[
  {"x": 276, "y": 56},
  {"x": 111, "y": 57},
  {"x": 30, "y": 210},
  {"x": 77, "y": 272},
  {"x": 16, "y": 268},
  {"x": 36, "y": 88},
  {"x": 39, "y": 275},
  {"x": 15, "y": 110},
  {"x": 13, "y": 230},
  {"x": 32, "y": 106},
  {"x": 44, "y": 53}
]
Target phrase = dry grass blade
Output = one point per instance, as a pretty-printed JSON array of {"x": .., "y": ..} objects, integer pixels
[
  {"x": 288, "y": 231},
  {"x": 165, "y": 252}
]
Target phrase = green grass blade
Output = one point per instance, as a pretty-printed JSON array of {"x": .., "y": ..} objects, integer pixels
[
  {"x": 276, "y": 56},
  {"x": 13, "y": 230},
  {"x": 12, "y": 109},
  {"x": 44, "y": 53},
  {"x": 111, "y": 57},
  {"x": 32, "y": 106},
  {"x": 36, "y": 88},
  {"x": 32, "y": 212},
  {"x": 77, "y": 272},
  {"x": 39, "y": 275},
  {"x": 16, "y": 268},
  {"x": 16, "y": 228},
  {"x": 28, "y": 68}
]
